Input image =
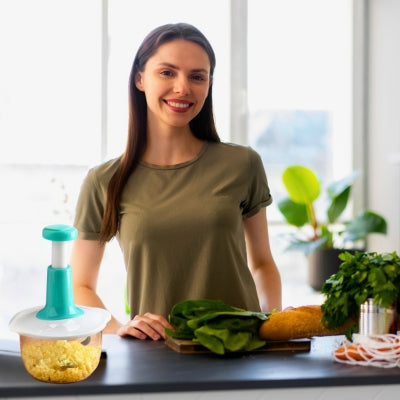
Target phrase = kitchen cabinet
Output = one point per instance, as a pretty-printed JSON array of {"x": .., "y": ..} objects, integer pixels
[{"x": 150, "y": 370}]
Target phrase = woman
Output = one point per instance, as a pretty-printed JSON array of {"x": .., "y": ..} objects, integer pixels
[{"x": 187, "y": 210}]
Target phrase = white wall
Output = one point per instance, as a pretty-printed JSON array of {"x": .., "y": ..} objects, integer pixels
[{"x": 383, "y": 119}]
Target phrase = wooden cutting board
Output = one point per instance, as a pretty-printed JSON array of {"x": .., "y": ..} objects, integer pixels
[{"x": 190, "y": 347}]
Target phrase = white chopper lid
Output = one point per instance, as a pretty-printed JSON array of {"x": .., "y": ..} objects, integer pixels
[{"x": 92, "y": 321}]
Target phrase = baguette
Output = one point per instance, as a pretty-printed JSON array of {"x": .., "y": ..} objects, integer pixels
[{"x": 298, "y": 323}]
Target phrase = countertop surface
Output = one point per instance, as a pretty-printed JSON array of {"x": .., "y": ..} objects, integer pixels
[{"x": 133, "y": 366}]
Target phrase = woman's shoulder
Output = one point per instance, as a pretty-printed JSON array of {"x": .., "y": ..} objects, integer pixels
[
  {"x": 234, "y": 151},
  {"x": 106, "y": 167},
  {"x": 103, "y": 172}
]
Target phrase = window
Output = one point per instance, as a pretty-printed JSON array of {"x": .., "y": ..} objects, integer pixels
[
  {"x": 50, "y": 74},
  {"x": 63, "y": 107},
  {"x": 299, "y": 87}
]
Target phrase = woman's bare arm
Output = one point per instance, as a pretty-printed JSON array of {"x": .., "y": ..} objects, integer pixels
[
  {"x": 85, "y": 263},
  {"x": 261, "y": 262}
]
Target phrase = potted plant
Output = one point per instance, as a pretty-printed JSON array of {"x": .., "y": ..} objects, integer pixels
[{"x": 323, "y": 240}]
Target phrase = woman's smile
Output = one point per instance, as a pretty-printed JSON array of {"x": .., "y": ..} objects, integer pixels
[{"x": 180, "y": 106}]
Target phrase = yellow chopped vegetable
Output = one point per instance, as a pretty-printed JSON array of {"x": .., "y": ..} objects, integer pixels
[{"x": 60, "y": 361}]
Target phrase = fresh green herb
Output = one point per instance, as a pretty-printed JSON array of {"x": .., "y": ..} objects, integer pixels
[
  {"x": 361, "y": 276},
  {"x": 216, "y": 325}
]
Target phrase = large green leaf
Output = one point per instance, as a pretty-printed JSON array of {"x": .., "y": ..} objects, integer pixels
[
  {"x": 339, "y": 194},
  {"x": 366, "y": 222},
  {"x": 336, "y": 188},
  {"x": 301, "y": 183},
  {"x": 338, "y": 205},
  {"x": 294, "y": 213},
  {"x": 307, "y": 246}
]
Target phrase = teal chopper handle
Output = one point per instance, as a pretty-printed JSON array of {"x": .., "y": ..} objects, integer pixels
[
  {"x": 59, "y": 294},
  {"x": 59, "y": 234}
]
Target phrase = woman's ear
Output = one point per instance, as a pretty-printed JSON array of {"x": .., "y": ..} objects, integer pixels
[{"x": 138, "y": 81}]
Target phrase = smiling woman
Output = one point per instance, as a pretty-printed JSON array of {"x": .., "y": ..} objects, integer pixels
[{"x": 180, "y": 202}]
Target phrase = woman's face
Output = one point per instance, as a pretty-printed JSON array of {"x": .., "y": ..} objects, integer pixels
[{"x": 175, "y": 81}]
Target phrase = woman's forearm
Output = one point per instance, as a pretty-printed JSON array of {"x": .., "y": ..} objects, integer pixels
[
  {"x": 269, "y": 287},
  {"x": 85, "y": 261}
]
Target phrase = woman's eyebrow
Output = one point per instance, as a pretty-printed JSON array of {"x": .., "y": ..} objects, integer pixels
[{"x": 172, "y": 66}]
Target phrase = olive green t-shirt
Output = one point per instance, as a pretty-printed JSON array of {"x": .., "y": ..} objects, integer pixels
[{"x": 181, "y": 226}]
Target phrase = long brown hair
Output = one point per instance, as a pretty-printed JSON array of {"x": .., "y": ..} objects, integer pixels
[{"x": 202, "y": 126}]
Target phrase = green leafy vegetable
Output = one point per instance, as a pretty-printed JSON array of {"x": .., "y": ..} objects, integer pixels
[
  {"x": 361, "y": 276},
  {"x": 216, "y": 325}
]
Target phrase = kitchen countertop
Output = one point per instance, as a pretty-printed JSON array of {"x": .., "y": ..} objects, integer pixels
[{"x": 133, "y": 366}]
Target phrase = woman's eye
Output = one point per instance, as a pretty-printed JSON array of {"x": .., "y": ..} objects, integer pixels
[
  {"x": 166, "y": 73},
  {"x": 198, "y": 78}
]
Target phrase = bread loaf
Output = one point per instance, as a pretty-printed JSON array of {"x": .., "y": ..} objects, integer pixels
[{"x": 297, "y": 323}]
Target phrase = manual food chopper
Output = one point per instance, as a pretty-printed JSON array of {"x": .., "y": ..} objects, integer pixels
[{"x": 60, "y": 342}]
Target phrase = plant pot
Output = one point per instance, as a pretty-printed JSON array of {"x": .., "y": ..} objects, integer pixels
[{"x": 323, "y": 263}]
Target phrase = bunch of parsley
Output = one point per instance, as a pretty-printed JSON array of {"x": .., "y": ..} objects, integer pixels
[{"x": 361, "y": 276}]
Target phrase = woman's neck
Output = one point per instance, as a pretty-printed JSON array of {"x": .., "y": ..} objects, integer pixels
[{"x": 174, "y": 147}]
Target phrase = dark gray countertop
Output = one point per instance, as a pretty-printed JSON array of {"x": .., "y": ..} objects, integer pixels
[{"x": 134, "y": 366}]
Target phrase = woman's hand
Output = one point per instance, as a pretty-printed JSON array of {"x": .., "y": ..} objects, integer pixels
[{"x": 145, "y": 326}]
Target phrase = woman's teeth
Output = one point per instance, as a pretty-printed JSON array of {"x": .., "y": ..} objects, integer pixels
[{"x": 178, "y": 105}]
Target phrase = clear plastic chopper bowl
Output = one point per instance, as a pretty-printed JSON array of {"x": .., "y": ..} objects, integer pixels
[
  {"x": 60, "y": 351},
  {"x": 60, "y": 342}
]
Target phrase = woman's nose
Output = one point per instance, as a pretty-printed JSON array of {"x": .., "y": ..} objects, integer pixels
[{"x": 182, "y": 86}]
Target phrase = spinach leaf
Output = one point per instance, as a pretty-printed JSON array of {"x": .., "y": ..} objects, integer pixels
[{"x": 216, "y": 325}]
